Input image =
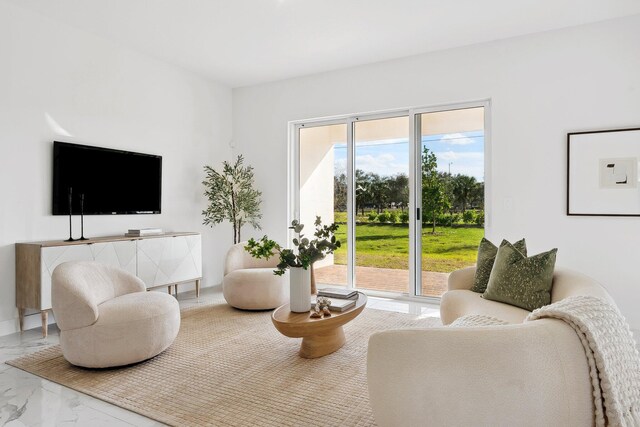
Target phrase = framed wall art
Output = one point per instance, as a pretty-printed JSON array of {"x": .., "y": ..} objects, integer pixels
[{"x": 602, "y": 173}]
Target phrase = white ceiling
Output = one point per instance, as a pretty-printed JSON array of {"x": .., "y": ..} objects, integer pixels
[{"x": 245, "y": 42}]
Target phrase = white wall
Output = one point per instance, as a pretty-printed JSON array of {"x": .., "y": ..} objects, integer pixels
[
  {"x": 541, "y": 86},
  {"x": 317, "y": 178},
  {"x": 107, "y": 96}
]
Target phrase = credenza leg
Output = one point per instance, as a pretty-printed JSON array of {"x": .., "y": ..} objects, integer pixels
[
  {"x": 21, "y": 318},
  {"x": 169, "y": 287},
  {"x": 176, "y": 289},
  {"x": 45, "y": 324},
  {"x": 198, "y": 288}
]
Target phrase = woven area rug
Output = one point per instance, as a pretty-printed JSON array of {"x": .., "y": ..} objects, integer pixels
[{"x": 232, "y": 368}]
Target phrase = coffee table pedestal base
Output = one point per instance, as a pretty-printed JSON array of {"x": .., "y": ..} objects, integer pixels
[{"x": 314, "y": 346}]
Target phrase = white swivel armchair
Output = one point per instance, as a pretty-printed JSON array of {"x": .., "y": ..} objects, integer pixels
[
  {"x": 249, "y": 283},
  {"x": 107, "y": 318}
]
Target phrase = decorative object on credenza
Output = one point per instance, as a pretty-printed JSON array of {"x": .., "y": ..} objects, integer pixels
[
  {"x": 308, "y": 251},
  {"x": 232, "y": 197},
  {"x": 70, "y": 239},
  {"x": 602, "y": 173},
  {"x": 141, "y": 232},
  {"x": 82, "y": 217}
]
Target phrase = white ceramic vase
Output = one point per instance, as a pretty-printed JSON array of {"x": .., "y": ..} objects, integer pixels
[{"x": 299, "y": 289}]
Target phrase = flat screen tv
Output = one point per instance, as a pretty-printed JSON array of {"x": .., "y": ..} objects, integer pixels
[{"x": 107, "y": 181}]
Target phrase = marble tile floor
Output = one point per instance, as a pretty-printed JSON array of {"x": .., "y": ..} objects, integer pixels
[{"x": 27, "y": 400}]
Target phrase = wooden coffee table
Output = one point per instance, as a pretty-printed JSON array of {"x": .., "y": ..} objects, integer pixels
[{"x": 319, "y": 336}]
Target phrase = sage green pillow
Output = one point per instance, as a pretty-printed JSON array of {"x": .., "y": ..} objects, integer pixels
[
  {"x": 521, "y": 281},
  {"x": 487, "y": 252}
]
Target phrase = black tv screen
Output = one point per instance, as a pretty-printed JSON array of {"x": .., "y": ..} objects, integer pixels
[{"x": 106, "y": 181}]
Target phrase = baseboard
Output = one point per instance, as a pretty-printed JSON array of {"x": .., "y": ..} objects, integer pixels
[
  {"x": 8, "y": 327},
  {"x": 31, "y": 321}
]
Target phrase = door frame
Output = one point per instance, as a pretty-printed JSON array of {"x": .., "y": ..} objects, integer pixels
[{"x": 415, "y": 196}]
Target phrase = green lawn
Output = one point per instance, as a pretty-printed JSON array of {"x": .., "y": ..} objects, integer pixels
[{"x": 386, "y": 245}]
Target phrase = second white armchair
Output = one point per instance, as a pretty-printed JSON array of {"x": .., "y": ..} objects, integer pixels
[{"x": 249, "y": 283}]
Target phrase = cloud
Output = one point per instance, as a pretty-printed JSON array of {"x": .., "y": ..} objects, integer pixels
[
  {"x": 457, "y": 155},
  {"x": 466, "y": 163},
  {"x": 340, "y": 166},
  {"x": 381, "y": 164},
  {"x": 457, "y": 139}
]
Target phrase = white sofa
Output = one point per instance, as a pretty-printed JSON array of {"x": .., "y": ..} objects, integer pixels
[
  {"x": 107, "y": 318},
  {"x": 249, "y": 283},
  {"x": 520, "y": 374}
]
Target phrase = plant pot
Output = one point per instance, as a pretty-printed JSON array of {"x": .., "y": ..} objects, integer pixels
[{"x": 299, "y": 290}]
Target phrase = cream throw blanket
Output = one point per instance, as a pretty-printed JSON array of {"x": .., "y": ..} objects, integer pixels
[{"x": 611, "y": 351}]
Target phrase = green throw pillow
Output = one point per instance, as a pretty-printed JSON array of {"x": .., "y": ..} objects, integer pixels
[
  {"x": 487, "y": 252},
  {"x": 521, "y": 281}
]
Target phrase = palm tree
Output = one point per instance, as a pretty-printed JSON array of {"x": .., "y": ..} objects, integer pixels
[
  {"x": 378, "y": 190},
  {"x": 464, "y": 188},
  {"x": 340, "y": 192},
  {"x": 398, "y": 189},
  {"x": 362, "y": 190}
]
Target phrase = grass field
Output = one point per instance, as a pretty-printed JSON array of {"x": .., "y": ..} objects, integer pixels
[{"x": 387, "y": 246}]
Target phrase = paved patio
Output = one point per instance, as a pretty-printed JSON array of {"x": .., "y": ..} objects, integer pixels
[{"x": 383, "y": 279}]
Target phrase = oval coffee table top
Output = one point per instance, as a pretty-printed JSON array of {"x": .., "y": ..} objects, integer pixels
[{"x": 296, "y": 325}]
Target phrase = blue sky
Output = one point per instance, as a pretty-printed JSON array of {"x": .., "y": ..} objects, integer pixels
[{"x": 465, "y": 152}]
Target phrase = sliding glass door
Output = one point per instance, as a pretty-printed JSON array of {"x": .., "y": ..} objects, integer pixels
[
  {"x": 451, "y": 182},
  {"x": 406, "y": 188},
  {"x": 382, "y": 203}
]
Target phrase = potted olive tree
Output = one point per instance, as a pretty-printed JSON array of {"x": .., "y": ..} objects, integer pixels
[
  {"x": 299, "y": 260},
  {"x": 232, "y": 197}
]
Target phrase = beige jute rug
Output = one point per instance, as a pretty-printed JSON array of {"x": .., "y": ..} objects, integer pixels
[{"x": 232, "y": 368}]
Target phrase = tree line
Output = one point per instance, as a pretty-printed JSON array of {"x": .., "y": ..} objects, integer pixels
[{"x": 442, "y": 192}]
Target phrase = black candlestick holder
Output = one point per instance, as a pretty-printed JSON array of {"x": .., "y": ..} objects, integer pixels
[
  {"x": 82, "y": 218},
  {"x": 70, "y": 239}
]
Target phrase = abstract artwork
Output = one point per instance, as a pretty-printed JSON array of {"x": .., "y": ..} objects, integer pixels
[{"x": 619, "y": 173}]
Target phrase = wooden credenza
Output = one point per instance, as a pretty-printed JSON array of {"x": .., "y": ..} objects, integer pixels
[{"x": 160, "y": 260}]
